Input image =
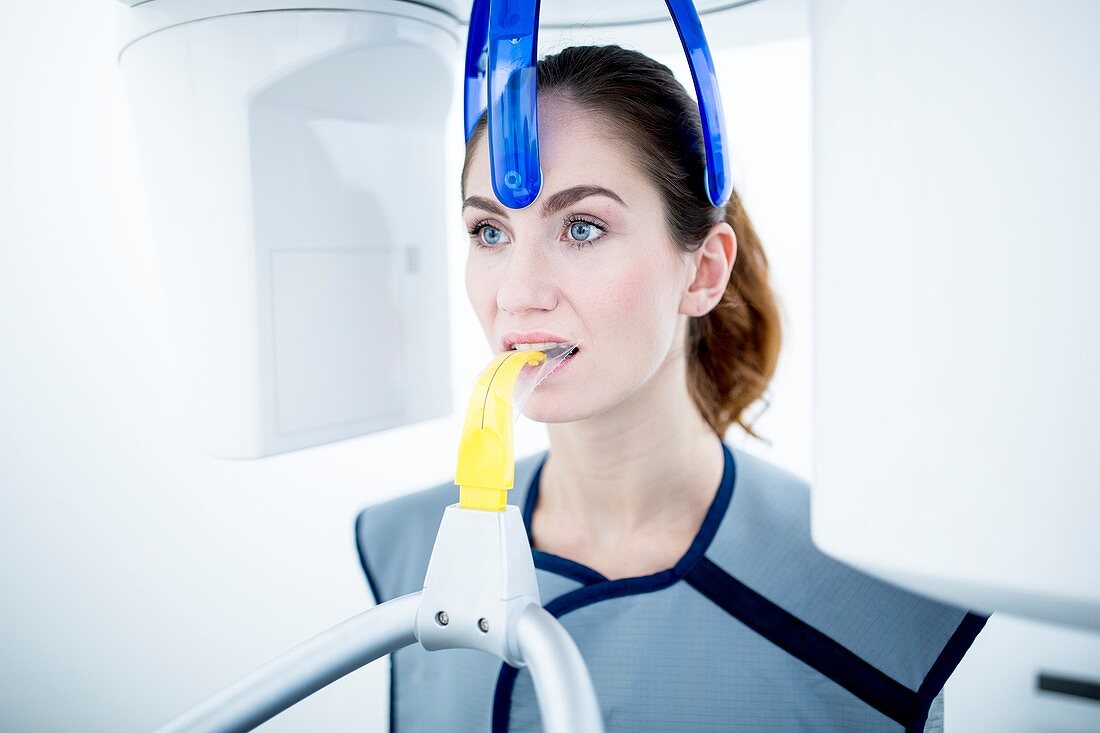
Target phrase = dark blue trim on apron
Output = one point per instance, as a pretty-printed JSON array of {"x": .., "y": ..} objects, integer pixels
[
  {"x": 829, "y": 657},
  {"x": 945, "y": 664},
  {"x": 567, "y": 568},
  {"x": 804, "y": 642},
  {"x": 597, "y": 587}
]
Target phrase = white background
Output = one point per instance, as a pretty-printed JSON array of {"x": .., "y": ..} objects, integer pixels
[{"x": 140, "y": 576}]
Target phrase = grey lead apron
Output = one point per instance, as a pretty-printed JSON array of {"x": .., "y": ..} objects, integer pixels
[{"x": 754, "y": 629}]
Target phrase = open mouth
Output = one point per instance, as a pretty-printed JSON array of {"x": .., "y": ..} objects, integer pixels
[
  {"x": 535, "y": 371},
  {"x": 551, "y": 349}
]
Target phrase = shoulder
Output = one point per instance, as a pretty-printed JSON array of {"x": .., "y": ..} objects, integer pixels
[
  {"x": 394, "y": 538},
  {"x": 765, "y": 542},
  {"x": 780, "y": 491},
  {"x": 764, "y": 538},
  {"x": 769, "y": 503}
]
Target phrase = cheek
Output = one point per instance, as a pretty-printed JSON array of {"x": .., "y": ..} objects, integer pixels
[{"x": 636, "y": 308}]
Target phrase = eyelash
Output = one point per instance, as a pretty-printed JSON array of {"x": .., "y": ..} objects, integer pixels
[{"x": 475, "y": 232}]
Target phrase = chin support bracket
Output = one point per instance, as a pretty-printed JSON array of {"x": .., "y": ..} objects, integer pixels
[{"x": 501, "y": 63}]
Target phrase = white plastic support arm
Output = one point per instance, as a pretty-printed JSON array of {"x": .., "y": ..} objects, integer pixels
[
  {"x": 480, "y": 592},
  {"x": 563, "y": 687},
  {"x": 298, "y": 673}
]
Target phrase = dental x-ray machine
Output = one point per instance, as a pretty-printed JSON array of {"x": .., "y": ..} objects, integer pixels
[{"x": 955, "y": 174}]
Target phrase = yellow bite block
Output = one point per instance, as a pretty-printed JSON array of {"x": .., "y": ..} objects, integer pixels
[{"x": 486, "y": 463}]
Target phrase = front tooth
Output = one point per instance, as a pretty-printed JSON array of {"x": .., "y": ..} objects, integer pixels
[{"x": 534, "y": 347}]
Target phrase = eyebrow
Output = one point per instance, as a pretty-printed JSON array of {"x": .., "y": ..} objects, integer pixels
[{"x": 552, "y": 205}]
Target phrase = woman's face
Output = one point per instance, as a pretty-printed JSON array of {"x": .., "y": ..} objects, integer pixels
[{"x": 589, "y": 261}]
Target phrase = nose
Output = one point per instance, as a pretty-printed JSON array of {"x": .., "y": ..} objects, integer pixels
[{"x": 528, "y": 282}]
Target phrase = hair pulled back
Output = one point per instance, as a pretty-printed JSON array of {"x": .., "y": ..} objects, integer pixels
[{"x": 732, "y": 350}]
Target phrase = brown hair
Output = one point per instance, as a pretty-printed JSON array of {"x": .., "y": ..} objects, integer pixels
[{"x": 735, "y": 347}]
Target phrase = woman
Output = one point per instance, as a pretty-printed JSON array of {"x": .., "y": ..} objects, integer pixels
[{"x": 683, "y": 568}]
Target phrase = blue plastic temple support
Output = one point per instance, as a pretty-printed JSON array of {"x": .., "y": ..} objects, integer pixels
[
  {"x": 477, "y": 60},
  {"x": 513, "y": 103},
  {"x": 502, "y": 48},
  {"x": 719, "y": 182}
]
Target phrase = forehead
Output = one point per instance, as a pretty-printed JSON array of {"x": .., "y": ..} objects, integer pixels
[{"x": 576, "y": 146}]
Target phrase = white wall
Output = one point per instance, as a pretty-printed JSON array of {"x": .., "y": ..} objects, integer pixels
[{"x": 139, "y": 575}]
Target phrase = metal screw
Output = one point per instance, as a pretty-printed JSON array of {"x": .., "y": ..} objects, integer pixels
[
  {"x": 483, "y": 624},
  {"x": 442, "y": 619}
]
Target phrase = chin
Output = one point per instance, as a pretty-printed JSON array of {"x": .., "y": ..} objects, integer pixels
[{"x": 547, "y": 407}]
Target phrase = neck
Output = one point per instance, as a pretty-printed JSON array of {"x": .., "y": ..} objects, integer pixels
[{"x": 652, "y": 460}]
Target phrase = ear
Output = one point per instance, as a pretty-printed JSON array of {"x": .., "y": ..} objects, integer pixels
[{"x": 713, "y": 265}]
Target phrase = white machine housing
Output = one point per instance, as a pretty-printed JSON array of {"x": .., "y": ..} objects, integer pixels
[
  {"x": 957, "y": 328},
  {"x": 293, "y": 161}
]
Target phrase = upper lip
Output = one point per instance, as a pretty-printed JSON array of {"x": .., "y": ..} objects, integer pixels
[{"x": 512, "y": 338}]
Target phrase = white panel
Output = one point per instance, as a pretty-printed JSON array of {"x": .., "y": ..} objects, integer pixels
[
  {"x": 336, "y": 321},
  {"x": 957, "y": 339}
]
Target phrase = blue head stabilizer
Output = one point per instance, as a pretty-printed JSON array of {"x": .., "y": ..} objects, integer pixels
[{"x": 501, "y": 59}]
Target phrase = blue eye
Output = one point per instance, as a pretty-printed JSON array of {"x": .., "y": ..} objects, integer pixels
[
  {"x": 491, "y": 235},
  {"x": 584, "y": 232},
  {"x": 580, "y": 230},
  {"x": 485, "y": 235}
]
